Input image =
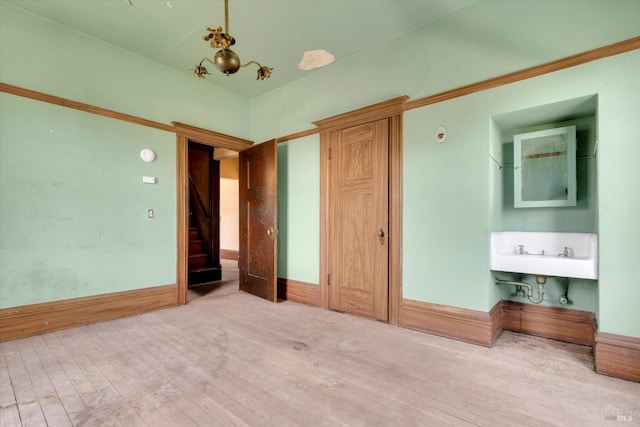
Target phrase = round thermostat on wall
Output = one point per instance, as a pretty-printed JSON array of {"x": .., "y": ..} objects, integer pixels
[{"x": 147, "y": 155}]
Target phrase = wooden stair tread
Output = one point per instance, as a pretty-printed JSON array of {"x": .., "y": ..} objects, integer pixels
[{"x": 199, "y": 269}]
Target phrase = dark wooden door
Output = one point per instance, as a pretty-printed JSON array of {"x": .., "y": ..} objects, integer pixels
[
  {"x": 359, "y": 220},
  {"x": 259, "y": 220}
]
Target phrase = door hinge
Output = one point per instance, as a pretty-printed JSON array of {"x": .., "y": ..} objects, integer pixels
[
  {"x": 329, "y": 153},
  {"x": 328, "y": 280}
]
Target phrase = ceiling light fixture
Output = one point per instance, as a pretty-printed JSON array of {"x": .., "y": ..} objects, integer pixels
[{"x": 226, "y": 60}]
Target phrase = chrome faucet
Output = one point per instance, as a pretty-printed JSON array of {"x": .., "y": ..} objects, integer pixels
[
  {"x": 521, "y": 249},
  {"x": 565, "y": 252}
]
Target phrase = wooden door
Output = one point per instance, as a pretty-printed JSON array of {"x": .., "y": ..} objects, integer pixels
[
  {"x": 359, "y": 220},
  {"x": 258, "y": 220}
]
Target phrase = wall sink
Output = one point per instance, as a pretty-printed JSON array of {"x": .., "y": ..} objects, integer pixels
[{"x": 545, "y": 253}]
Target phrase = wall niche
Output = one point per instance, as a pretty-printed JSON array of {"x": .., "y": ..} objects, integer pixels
[{"x": 577, "y": 215}]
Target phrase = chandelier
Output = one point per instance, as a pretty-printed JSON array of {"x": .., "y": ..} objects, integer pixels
[{"x": 226, "y": 60}]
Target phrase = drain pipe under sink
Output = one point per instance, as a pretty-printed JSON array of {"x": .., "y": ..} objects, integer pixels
[{"x": 540, "y": 280}]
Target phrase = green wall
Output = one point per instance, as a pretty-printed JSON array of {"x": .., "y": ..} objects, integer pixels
[
  {"x": 74, "y": 209},
  {"x": 465, "y": 157},
  {"x": 454, "y": 192},
  {"x": 445, "y": 205},
  {"x": 299, "y": 209},
  {"x": 486, "y": 39},
  {"x": 72, "y": 205},
  {"x": 619, "y": 197},
  {"x": 44, "y": 56}
]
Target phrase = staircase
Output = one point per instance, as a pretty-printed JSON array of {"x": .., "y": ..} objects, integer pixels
[{"x": 201, "y": 269}]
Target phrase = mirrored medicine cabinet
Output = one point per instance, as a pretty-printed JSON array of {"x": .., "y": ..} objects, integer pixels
[{"x": 545, "y": 168}]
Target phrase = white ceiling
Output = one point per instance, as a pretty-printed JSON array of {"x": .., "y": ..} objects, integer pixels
[{"x": 273, "y": 32}]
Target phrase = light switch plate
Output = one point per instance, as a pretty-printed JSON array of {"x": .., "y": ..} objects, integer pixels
[{"x": 149, "y": 179}]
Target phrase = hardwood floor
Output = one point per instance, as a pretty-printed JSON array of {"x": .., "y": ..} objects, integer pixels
[
  {"x": 228, "y": 285},
  {"x": 241, "y": 360}
]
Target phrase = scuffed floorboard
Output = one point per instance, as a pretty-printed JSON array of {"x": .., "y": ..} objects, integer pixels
[{"x": 240, "y": 360}]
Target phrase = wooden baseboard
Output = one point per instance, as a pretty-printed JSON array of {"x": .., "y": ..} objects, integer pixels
[
  {"x": 617, "y": 356},
  {"x": 302, "y": 292},
  {"x": 574, "y": 326},
  {"x": 34, "y": 319},
  {"x": 472, "y": 326},
  {"x": 497, "y": 321},
  {"x": 229, "y": 254}
]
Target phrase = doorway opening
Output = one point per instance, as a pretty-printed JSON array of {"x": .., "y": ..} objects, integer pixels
[
  {"x": 204, "y": 213},
  {"x": 213, "y": 221},
  {"x": 257, "y": 213}
]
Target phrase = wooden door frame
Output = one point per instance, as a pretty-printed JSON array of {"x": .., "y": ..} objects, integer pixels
[
  {"x": 391, "y": 110},
  {"x": 184, "y": 134}
]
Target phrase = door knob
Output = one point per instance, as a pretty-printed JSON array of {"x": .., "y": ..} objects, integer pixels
[
  {"x": 381, "y": 236},
  {"x": 270, "y": 232}
]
